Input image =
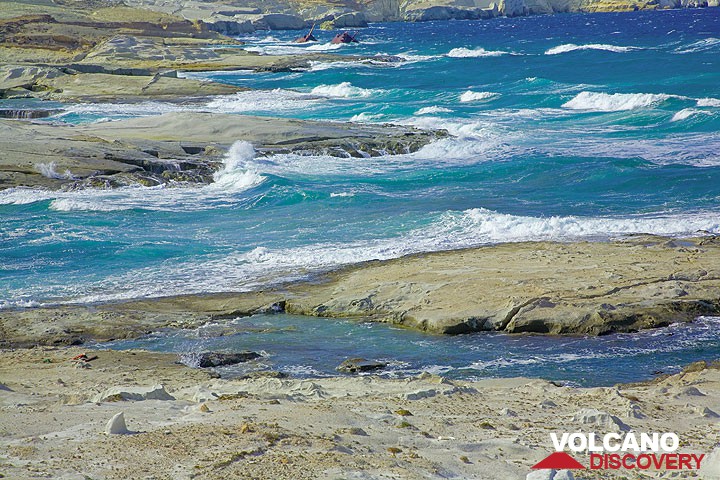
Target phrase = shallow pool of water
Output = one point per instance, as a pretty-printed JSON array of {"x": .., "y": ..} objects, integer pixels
[{"x": 314, "y": 347}]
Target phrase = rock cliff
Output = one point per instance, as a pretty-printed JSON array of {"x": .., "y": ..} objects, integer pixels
[{"x": 298, "y": 14}]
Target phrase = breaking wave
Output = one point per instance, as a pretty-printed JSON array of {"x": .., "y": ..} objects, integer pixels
[
  {"x": 571, "y": 47},
  {"x": 432, "y": 109},
  {"x": 471, "y": 96},
  {"x": 686, "y": 113},
  {"x": 239, "y": 172},
  {"x": 708, "y": 102},
  {"x": 474, "y": 53},
  {"x": 614, "y": 102},
  {"x": 700, "y": 46},
  {"x": 343, "y": 90}
]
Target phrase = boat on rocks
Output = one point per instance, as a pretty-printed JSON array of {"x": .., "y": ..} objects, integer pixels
[
  {"x": 344, "y": 37},
  {"x": 306, "y": 38}
]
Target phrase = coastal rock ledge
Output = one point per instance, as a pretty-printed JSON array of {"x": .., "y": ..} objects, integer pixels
[{"x": 590, "y": 288}]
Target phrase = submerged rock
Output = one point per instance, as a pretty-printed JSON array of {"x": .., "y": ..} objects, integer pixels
[{"x": 357, "y": 365}]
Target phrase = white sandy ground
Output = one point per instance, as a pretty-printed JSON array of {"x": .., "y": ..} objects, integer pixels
[{"x": 52, "y": 422}]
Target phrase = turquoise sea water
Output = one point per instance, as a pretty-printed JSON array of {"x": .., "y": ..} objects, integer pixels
[{"x": 566, "y": 127}]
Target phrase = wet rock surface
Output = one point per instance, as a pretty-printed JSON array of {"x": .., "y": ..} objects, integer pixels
[
  {"x": 176, "y": 147},
  {"x": 359, "y": 365},
  {"x": 219, "y": 359}
]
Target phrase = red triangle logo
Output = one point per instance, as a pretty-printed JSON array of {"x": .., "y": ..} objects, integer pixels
[{"x": 559, "y": 461}]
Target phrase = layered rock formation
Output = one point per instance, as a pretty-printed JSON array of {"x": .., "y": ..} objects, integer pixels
[
  {"x": 183, "y": 146},
  {"x": 244, "y": 16}
]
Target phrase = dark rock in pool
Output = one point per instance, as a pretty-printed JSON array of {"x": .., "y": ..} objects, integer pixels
[
  {"x": 215, "y": 359},
  {"x": 357, "y": 365}
]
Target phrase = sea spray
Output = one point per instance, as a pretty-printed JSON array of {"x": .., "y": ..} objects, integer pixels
[{"x": 239, "y": 171}]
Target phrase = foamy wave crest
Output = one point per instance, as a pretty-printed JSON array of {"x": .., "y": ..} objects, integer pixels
[
  {"x": 471, "y": 96},
  {"x": 686, "y": 113},
  {"x": 708, "y": 102},
  {"x": 277, "y": 100},
  {"x": 614, "y": 102},
  {"x": 474, "y": 53},
  {"x": 700, "y": 46},
  {"x": 239, "y": 171},
  {"x": 365, "y": 117},
  {"x": 432, "y": 110},
  {"x": 342, "y": 90},
  {"x": 571, "y": 47}
]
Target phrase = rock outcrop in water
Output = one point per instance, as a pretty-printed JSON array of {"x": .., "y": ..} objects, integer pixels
[
  {"x": 176, "y": 147},
  {"x": 542, "y": 287}
]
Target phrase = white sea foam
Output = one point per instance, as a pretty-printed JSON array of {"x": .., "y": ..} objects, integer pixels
[
  {"x": 277, "y": 100},
  {"x": 696, "y": 149},
  {"x": 474, "y": 53},
  {"x": 433, "y": 109},
  {"x": 127, "y": 109},
  {"x": 471, "y": 96},
  {"x": 316, "y": 66},
  {"x": 700, "y": 46},
  {"x": 708, "y": 102},
  {"x": 412, "y": 58},
  {"x": 24, "y": 196},
  {"x": 571, "y": 47},
  {"x": 292, "y": 48},
  {"x": 343, "y": 90},
  {"x": 261, "y": 266},
  {"x": 614, "y": 102},
  {"x": 322, "y": 47},
  {"x": 21, "y": 303}
]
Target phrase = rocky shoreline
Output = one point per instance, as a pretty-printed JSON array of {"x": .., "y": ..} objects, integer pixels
[
  {"x": 182, "y": 147},
  {"x": 178, "y": 422},
  {"x": 588, "y": 288}
]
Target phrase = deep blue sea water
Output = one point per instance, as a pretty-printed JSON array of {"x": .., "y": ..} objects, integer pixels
[{"x": 570, "y": 126}]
